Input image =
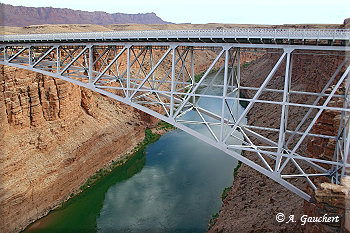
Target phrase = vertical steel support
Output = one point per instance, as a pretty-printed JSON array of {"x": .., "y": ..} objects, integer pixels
[
  {"x": 172, "y": 81},
  {"x": 86, "y": 62},
  {"x": 117, "y": 66},
  {"x": 30, "y": 55},
  {"x": 128, "y": 72},
  {"x": 238, "y": 68},
  {"x": 346, "y": 158},
  {"x": 58, "y": 59},
  {"x": 192, "y": 74},
  {"x": 151, "y": 61},
  {"x": 91, "y": 62},
  {"x": 346, "y": 135},
  {"x": 183, "y": 68},
  {"x": 284, "y": 113},
  {"x": 224, "y": 93},
  {"x": 238, "y": 80}
]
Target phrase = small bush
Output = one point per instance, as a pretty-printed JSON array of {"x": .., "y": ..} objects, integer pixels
[
  {"x": 225, "y": 192},
  {"x": 246, "y": 64}
]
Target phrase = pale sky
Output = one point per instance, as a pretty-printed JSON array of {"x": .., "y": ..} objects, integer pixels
[{"x": 214, "y": 11}]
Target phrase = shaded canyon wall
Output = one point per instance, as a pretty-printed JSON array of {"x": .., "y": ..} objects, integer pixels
[{"x": 254, "y": 200}]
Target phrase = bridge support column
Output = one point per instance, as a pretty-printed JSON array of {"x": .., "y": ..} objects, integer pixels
[
  {"x": 284, "y": 113},
  {"x": 192, "y": 73},
  {"x": 58, "y": 59},
  {"x": 30, "y": 55},
  {"x": 238, "y": 80},
  {"x": 91, "y": 62},
  {"x": 346, "y": 134},
  {"x": 224, "y": 94},
  {"x": 128, "y": 72},
  {"x": 172, "y": 80}
]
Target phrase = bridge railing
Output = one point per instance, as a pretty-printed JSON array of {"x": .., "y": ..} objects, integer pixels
[{"x": 260, "y": 33}]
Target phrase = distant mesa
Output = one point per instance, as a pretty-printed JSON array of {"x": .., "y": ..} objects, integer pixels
[
  {"x": 347, "y": 23},
  {"x": 20, "y": 16}
]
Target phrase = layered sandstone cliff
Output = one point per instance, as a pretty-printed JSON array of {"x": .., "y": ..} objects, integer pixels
[{"x": 54, "y": 135}]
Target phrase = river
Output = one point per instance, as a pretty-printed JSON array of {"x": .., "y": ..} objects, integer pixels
[{"x": 175, "y": 185}]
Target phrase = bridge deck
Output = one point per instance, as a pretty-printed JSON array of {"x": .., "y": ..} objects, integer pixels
[{"x": 334, "y": 37}]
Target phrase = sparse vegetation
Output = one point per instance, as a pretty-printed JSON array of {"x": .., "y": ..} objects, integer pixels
[
  {"x": 225, "y": 192},
  {"x": 246, "y": 64},
  {"x": 198, "y": 76},
  {"x": 150, "y": 137},
  {"x": 162, "y": 125},
  {"x": 235, "y": 171},
  {"x": 213, "y": 220}
]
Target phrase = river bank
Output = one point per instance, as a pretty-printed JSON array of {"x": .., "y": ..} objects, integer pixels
[{"x": 150, "y": 136}]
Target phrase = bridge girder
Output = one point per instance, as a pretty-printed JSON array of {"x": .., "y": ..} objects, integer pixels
[{"x": 159, "y": 78}]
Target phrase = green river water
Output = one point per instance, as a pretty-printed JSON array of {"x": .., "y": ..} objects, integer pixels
[{"x": 174, "y": 185}]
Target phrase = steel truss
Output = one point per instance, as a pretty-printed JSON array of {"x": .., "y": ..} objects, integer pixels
[{"x": 159, "y": 79}]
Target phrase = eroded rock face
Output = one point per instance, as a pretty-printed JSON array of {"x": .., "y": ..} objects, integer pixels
[
  {"x": 330, "y": 200},
  {"x": 53, "y": 136}
]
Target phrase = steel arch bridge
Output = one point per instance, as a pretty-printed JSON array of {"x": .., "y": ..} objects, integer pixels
[{"x": 154, "y": 71}]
